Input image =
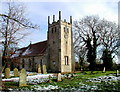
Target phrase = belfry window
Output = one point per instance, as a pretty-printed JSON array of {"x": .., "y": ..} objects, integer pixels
[{"x": 66, "y": 60}]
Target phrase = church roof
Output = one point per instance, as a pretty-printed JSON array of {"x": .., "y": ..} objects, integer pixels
[{"x": 32, "y": 50}]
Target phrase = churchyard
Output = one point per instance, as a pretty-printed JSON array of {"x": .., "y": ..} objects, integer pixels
[{"x": 79, "y": 81}]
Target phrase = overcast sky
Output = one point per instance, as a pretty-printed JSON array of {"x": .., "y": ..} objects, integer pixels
[{"x": 39, "y": 10}]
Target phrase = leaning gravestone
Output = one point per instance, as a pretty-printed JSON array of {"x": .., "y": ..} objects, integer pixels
[
  {"x": 44, "y": 69},
  {"x": 7, "y": 73},
  {"x": 59, "y": 78},
  {"x": 16, "y": 74},
  {"x": 39, "y": 68},
  {"x": 23, "y": 78},
  {"x": 104, "y": 70}
]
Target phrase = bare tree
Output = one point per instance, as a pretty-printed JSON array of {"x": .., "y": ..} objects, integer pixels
[
  {"x": 86, "y": 35},
  {"x": 109, "y": 37},
  {"x": 91, "y": 33},
  {"x": 14, "y": 23}
]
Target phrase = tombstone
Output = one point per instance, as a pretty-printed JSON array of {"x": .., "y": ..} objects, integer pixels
[
  {"x": 44, "y": 69},
  {"x": 59, "y": 78},
  {"x": 117, "y": 72},
  {"x": 39, "y": 68},
  {"x": 104, "y": 70},
  {"x": 16, "y": 74},
  {"x": 23, "y": 78},
  {"x": 50, "y": 80},
  {"x": 7, "y": 73}
]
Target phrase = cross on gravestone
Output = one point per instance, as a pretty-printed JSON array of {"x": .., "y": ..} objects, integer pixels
[
  {"x": 7, "y": 73},
  {"x": 16, "y": 74},
  {"x": 39, "y": 68},
  {"x": 23, "y": 78},
  {"x": 44, "y": 69},
  {"x": 59, "y": 78}
]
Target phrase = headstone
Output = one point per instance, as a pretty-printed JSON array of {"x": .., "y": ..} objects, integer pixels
[
  {"x": 23, "y": 78},
  {"x": 117, "y": 72},
  {"x": 104, "y": 70},
  {"x": 39, "y": 68},
  {"x": 59, "y": 78},
  {"x": 44, "y": 69},
  {"x": 7, "y": 73},
  {"x": 16, "y": 74},
  {"x": 50, "y": 80}
]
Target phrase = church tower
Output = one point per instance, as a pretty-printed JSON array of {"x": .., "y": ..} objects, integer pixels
[{"x": 60, "y": 45}]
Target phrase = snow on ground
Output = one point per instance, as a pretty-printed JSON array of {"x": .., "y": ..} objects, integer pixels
[{"x": 30, "y": 79}]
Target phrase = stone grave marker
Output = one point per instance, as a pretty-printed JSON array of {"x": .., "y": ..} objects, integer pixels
[
  {"x": 39, "y": 68},
  {"x": 16, "y": 74},
  {"x": 23, "y": 78},
  {"x": 117, "y": 72},
  {"x": 44, "y": 69},
  {"x": 50, "y": 79},
  {"x": 104, "y": 70},
  {"x": 7, "y": 73},
  {"x": 59, "y": 78}
]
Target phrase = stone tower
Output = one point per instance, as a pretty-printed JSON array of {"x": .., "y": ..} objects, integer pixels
[{"x": 60, "y": 45}]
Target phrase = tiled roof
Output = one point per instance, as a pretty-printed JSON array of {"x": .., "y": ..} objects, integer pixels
[{"x": 32, "y": 50}]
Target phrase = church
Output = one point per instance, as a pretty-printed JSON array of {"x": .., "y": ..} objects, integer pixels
[{"x": 56, "y": 52}]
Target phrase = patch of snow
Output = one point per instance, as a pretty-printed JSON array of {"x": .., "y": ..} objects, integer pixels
[
  {"x": 27, "y": 51},
  {"x": 32, "y": 79}
]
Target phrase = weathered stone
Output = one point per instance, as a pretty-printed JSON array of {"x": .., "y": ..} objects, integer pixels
[
  {"x": 50, "y": 80},
  {"x": 39, "y": 68},
  {"x": 7, "y": 73},
  {"x": 44, "y": 69},
  {"x": 23, "y": 78},
  {"x": 16, "y": 74},
  {"x": 59, "y": 78},
  {"x": 117, "y": 72},
  {"x": 104, "y": 70}
]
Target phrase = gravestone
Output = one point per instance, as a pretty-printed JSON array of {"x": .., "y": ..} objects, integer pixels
[
  {"x": 59, "y": 78},
  {"x": 104, "y": 70},
  {"x": 44, "y": 69},
  {"x": 50, "y": 79},
  {"x": 7, "y": 73},
  {"x": 16, "y": 74},
  {"x": 39, "y": 68},
  {"x": 23, "y": 78},
  {"x": 117, "y": 72}
]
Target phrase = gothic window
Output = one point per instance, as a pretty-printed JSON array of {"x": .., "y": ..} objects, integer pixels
[
  {"x": 66, "y": 60},
  {"x": 23, "y": 63},
  {"x": 68, "y": 30},
  {"x": 64, "y": 29}
]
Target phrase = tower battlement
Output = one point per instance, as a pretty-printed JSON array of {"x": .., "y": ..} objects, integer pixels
[{"x": 59, "y": 20}]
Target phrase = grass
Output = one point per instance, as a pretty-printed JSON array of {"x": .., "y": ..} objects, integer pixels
[{"x": 76, "y": 81}]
